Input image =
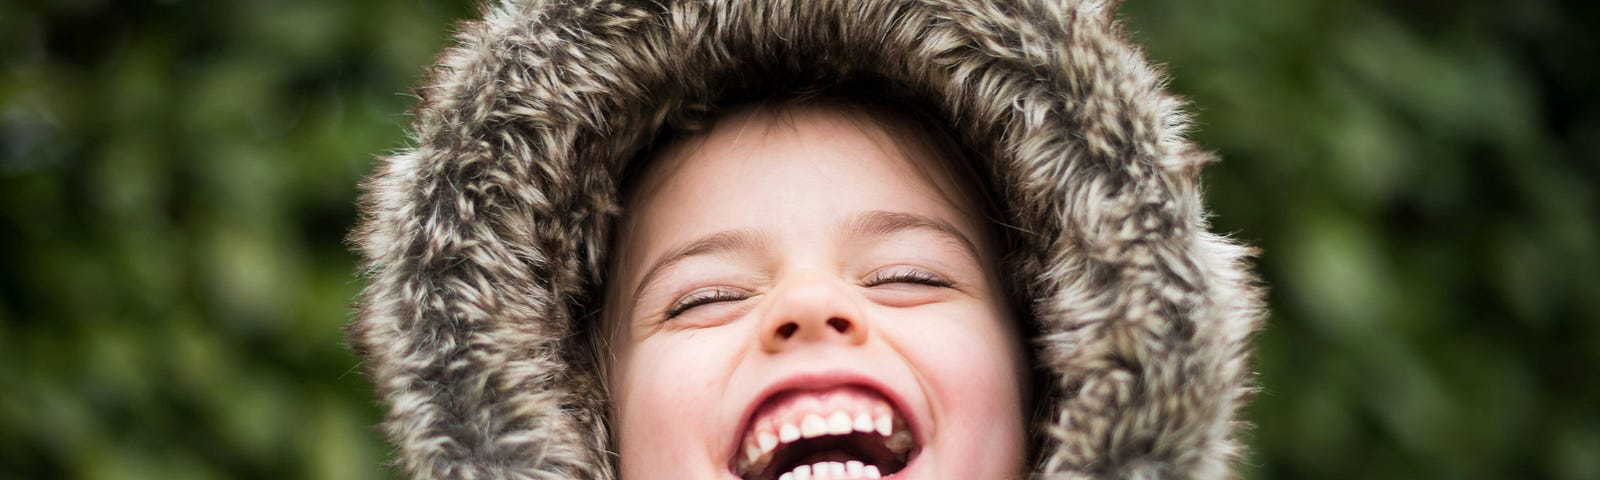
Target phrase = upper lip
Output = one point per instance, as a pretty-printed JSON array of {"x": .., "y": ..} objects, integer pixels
[{"x": 819, "y": 381}]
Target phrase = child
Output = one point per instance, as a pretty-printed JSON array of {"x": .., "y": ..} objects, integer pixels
[{"x": 805, "y": 289}]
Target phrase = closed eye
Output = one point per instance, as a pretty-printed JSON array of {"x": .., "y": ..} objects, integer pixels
[
  {"x": 705, "y": 296},
  {"x": 907, "y": 275}
]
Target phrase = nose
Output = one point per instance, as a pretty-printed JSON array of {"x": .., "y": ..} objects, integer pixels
[{"x": 811, "y": 309}]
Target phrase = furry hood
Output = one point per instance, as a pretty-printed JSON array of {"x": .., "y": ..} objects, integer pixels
[{"x": 482, "y": 242}]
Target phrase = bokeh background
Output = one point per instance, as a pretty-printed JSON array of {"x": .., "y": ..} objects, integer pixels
[{"x": 176, "y": 178}]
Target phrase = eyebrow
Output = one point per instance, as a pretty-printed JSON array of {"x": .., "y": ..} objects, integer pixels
[
  {"x": 720, "y": 242},
  {"x": 876, "y": 223},
  {"x": 879, "y": 223}
]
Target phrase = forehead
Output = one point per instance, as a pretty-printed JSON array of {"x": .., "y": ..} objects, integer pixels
[
  {"x": 776, "y": 140},
  {"x": 788, "y": 171}
]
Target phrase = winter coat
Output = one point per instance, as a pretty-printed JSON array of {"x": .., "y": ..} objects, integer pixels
[{"x": 484, "y": 242}]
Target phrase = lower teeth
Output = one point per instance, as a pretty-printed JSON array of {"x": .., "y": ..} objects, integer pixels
[{"x": 833, "y": 470}]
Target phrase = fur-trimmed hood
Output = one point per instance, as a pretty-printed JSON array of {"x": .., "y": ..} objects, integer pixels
[{"x": 483, "y": 241}]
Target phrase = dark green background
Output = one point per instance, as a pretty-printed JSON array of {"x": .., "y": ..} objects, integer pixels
[{"x": 176, "y": 179}]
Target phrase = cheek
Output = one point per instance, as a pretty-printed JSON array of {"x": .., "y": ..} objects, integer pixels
[
  {"x": 975, "y": 367},
  {"x": 972, "y": 362},
  {"x": 960, "y": 349},
  {"x": 666, "y": 398}
]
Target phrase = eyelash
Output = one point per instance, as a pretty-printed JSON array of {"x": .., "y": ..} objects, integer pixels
[
  {"x": 703, "y": 297},
  {"x": 915, "y": 276},
  {"x": 729, "y": 294}
]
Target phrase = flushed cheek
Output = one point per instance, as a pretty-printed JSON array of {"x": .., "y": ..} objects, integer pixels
[
  {"x": 664, "y": 418},
  {"x": 984, "y": 431},
  {"x": 976, "y": 389},
  {"x": 981, "y": 434}
]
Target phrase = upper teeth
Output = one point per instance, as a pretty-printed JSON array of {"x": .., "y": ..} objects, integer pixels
[{"x": 767, "y": 434}]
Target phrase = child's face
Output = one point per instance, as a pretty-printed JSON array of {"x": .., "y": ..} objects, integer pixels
[{"x": 794, "y": 285}]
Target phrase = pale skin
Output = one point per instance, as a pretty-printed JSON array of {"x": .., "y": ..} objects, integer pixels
[{"x": 806, "y": 254}]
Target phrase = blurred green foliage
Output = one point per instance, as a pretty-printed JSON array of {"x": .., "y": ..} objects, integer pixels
[
  {"x": 176, "y": 181},
  {"x": 176, "y": 178},
  {"x": 1422, "y": 180}
]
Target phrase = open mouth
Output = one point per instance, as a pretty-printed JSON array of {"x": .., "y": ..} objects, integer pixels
[{"x": 840, "y": 433}]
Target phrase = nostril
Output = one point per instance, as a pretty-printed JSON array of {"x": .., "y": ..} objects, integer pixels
[
  {"x": 839, "y": 324},
  {"x": 787, "y": 330}
]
